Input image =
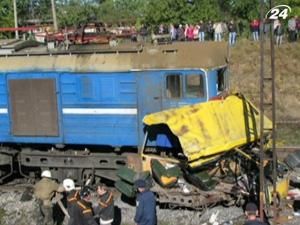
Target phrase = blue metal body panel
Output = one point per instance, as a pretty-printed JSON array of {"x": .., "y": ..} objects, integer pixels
[
  {"x": 94, "y": 91},
  {"x": 104, "y": 108},
  {"x": 4, "y": 118},
  {"x": 212, "y": 83}
]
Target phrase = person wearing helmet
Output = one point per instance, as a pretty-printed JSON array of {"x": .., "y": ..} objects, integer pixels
[
  {"x": 105, "y": 205},
  {"x": 84, "y": 215},
  {"x": 72, "y": 198},
  {"x": 44, "y": 191}
]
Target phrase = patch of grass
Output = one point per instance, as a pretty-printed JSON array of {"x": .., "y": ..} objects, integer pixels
[
  {"x": 288, "y": 135},
  {"x": 244, "y": 78},
  {"x": 2, "y": 214}
]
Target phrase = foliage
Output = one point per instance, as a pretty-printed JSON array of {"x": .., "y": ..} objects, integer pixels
[
  {"x": 152, "y": 12},
  {"x": 181, "y": 11},
  {"x": 6, "y": 16},
  {"x": 76, "y": 12}
]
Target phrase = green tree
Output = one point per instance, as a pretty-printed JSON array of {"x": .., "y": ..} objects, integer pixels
[
  {"x": 182, "y": 11},
  {"x": 7, "y": 16},
  {"x": 76, "y": 12}
]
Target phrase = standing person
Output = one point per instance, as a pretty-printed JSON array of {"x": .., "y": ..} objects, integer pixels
[
  {"x": 201, "y": 31},
  {"x": 173, "y": 32},
  {"x": 105, "y": 207},
  {"x": 146, "y": 205},
  {"x": 144, "y": 33},
  {"x": 186, "y": 27},
  {"x": 190, "y": 33},
  {"x": 210, "y": 30},
  {"x": 298, "y": 27},
  {"x": 267, "y": 27},
  {"x": 72, "y": 198},
  {"x": 196, "y": 32},
  {"x": 180, "y": 33},
  {"x": 218, "y": 30},
  {"x": 292, "y": 29},
  {"x": 44, "y": 191},
  {"x": 278, "y": 31},
  {"x": 254, "y": 25},
  {"x": 84, "y": 215},
  {"x": 251, "y": 212},
  {"x": 232, "y": 33}
]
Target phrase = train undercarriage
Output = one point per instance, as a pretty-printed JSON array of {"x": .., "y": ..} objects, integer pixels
[{"x": 88, "y": 166}]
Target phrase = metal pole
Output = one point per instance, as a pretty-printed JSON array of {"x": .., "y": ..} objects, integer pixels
[
  {"x": 261, "y": 165},
  {"x": 274, "y": 152},
  {"x": 54, "y": 15},
  {"x": 16, "y": 19}
]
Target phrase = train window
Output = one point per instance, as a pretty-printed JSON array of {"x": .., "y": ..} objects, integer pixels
[
  {"x": 194, "y": 86},
  {"x": 221, "y": 83},
  {"x": 173, "y": 86}
]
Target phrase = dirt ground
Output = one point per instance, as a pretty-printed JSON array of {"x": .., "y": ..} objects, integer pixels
[{"x": 245, "y": 78}]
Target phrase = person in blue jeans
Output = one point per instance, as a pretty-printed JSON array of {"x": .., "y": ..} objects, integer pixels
[
  {"x": 202, "y": 30},
  {"x": 145, "y": 205},
  {"x": 254, "y": 25},
  {"x": 232, "y": 33}
]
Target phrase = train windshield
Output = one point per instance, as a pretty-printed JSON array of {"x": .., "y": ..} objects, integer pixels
[{"x": 194, "y": 86}]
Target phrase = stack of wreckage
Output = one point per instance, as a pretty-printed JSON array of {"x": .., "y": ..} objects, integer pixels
[{"x": 203, "y": 154}]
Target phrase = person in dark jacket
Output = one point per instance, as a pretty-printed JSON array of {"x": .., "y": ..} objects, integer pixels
[
  {"x": 145, "y": 205},
  {"x": 105, "y": 206},
  {"x": 251, "y": 212},
  {"x": 232, "y": 33},
  {"x": 72, "y": 198},
  {"x": 83, "y": 210}
]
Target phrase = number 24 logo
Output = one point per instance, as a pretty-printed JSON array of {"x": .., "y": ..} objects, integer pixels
[{"x": 279, "y": 11}]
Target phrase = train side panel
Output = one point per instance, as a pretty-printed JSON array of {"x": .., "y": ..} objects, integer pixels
[
  {"x": 4, "y": 118},
  {"x": 99, "y": 108},
  {"x": 104, "y": 108}
]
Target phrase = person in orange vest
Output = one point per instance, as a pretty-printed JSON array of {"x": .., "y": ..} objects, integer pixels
[
  {"x": 83, "y": 212},
  {"x": 105, "y": 205},
  {"x": 72, "y": 197}
]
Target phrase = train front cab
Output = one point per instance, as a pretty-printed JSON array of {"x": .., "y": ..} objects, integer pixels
[{"x": 178, "y": 88}]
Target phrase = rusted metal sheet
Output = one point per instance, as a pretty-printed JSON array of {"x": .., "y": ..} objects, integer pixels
[
  {"x": 177, "y": 55},
  {"x": 33, "y": 107}
]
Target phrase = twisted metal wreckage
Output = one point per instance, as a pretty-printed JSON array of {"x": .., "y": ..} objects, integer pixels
[{"x": 205, "y": 153}]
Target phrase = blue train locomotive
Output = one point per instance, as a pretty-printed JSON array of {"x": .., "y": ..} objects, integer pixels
[{"x": 55, "y": 104}]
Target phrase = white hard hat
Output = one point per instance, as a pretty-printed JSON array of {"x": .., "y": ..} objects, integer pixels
[
  {"x": 68, "y": 184},
  {"x": 46, "y": 173}
]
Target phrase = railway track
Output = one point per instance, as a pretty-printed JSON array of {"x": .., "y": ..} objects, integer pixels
[{"x": 18, "y": 185}]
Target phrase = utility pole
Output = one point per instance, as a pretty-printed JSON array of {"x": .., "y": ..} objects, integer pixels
[
  {"x": 54, "y": 15},
  {"x": 16, "y": 19}
]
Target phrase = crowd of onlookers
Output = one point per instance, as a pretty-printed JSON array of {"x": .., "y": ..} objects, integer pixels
[{"x": 219, "y": 31}]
